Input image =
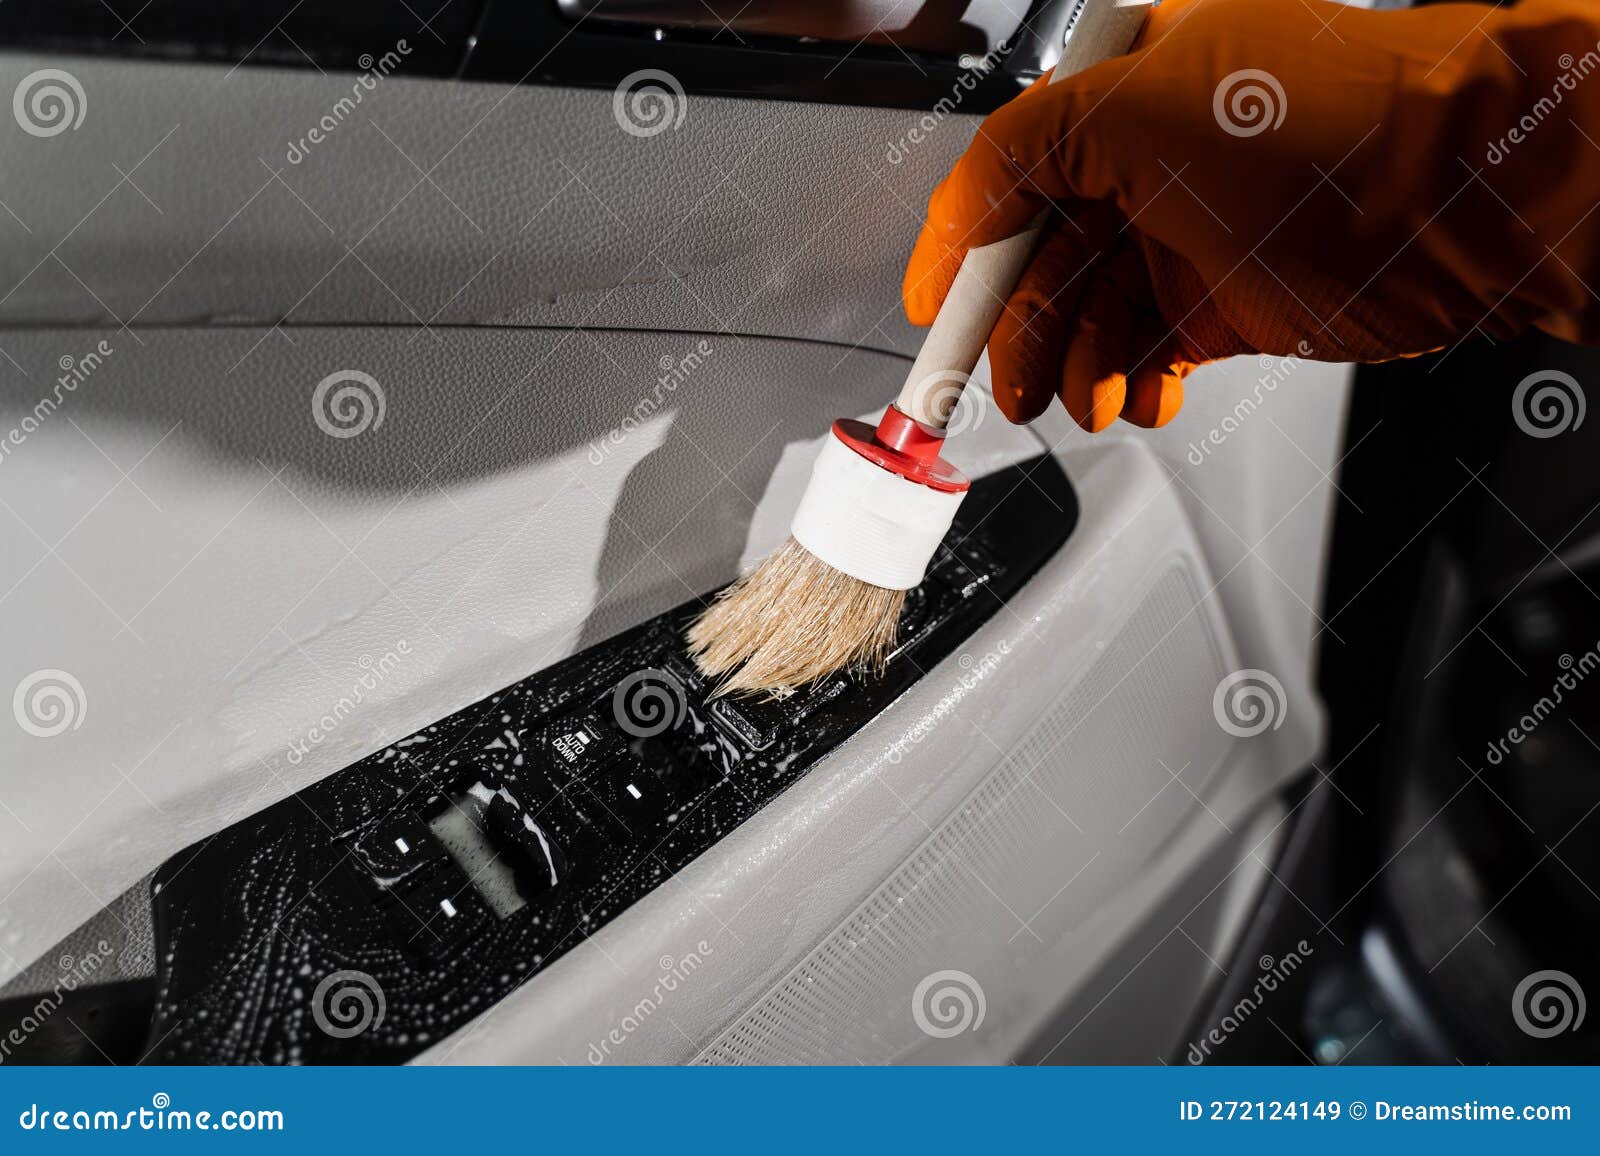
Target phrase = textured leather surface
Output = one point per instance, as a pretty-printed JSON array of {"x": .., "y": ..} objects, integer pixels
[{"x": 452, "y": 203}]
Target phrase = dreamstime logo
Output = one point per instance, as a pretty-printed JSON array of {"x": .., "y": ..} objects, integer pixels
[
  {"x": 947, "y": 1003},
  {"x": 648, "y": 702},
  {"x": 49, "y": 702},
  {"x": 74, "y": 372},
  {"x": 373, "y": 673},
  {"x": 1573, "y": 671},
  {"x": 674, "y": 974},
  {"x": 1274, "y": 372},
  {"x": 974, "y": 70},
  {"x": 1249, "y": 702},
  {"x": 372, "y": 71},
  {"x": 973, "y": 672},
  {"x": 49, "y": 102},
  {"x": 674, "y": 373},
  {"x": 1572, "y": 71},
  {"x": 347, "y": 1003},
  {"x": 348, "y": 403},
  {"x": 1548, "y": 1003},
  {"x": 1548, "y": 403},
  {"x": 1249, "y": 102},
  {"x": 160, "y": 1116},
  {"x": 947, "y": 395},
  {"x": 73, "y": 972},
  {"x": 1274, "y": 973},
  {"x": 649, "y": 102}
]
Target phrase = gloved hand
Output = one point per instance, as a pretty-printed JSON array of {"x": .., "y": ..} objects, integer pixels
[{"x": 1284, "y": 177}]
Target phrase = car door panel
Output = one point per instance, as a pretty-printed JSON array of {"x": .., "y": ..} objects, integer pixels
[{"x": 602, "y": 362}]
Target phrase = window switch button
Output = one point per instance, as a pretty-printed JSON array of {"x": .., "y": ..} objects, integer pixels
[{"x": 397, "y": 847}]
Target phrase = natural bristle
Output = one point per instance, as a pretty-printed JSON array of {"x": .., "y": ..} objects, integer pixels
[{"x": 790, "y": 621}]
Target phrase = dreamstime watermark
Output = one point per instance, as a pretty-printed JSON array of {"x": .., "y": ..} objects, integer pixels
[
  {"x": 348, "y": 403},
  {"x": 74, "y": 972},
  {"x": 160, "y": 1116},
  {"x": 1548, "y": 403},
  {"x": 1274, "y": 372},
  {"x": 1274, "y": 972},
  {"x": 946, "y": 395},
  {"x": 74, "y": 372},
  {"x": 348, "y": 1003},
  {"x": 974, "y": 71},
  {"x": 1572, "y": 71},
  {"x": 49, "y": 102},
  {"x": 1249, "y": 702},
  {"x": 372, "y": 71},
  {"x": 49, "y": 702},
  {"x": 674, "y": 973},
  {"x": 908, "y": 742},
  {"x": 374, "y": 673},
  {"x": 973, "y": 672},
  {"x": 1548, "y": 1003},
  {"x": 1574, "y": 671},
  {"x": 947, "y": 1003},
  {"x": 1249, "y": 102},
  {"x": 674, "y": 373},
  {"x": 648, "y": 703},
  {"x": 648, "y": 102}
]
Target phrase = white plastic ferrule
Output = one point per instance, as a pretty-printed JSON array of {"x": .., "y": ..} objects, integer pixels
[{"x": 869, "y": 522}]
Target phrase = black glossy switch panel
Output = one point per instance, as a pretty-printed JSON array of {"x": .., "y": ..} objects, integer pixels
[{"x": 381, "y": 909}]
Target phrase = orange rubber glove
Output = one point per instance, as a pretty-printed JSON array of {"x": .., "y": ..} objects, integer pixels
[{"x": 1284, "y": 177}]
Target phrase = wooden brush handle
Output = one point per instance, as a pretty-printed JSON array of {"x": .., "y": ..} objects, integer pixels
[{"x": 1101, "y": 30}]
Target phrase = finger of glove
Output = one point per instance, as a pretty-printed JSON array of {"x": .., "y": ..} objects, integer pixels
[
  {"x": 1029, "y": 339},
  {"x": 1155, "y": 386},
  {"x": 943, "y": 243},
  {"x": 1098, "y": 358}
]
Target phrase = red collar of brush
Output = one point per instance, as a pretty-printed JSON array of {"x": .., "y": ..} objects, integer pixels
[{"x": 903, "y": 446}]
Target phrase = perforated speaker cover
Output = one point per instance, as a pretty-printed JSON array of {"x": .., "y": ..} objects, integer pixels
[{"x": 1132, "y": 742}]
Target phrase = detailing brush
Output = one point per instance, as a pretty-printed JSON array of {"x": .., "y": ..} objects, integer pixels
[{"x": 880, "y": 500}]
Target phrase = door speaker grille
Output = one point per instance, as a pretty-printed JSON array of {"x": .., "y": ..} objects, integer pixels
[{"x": 1074, "y": 810}]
